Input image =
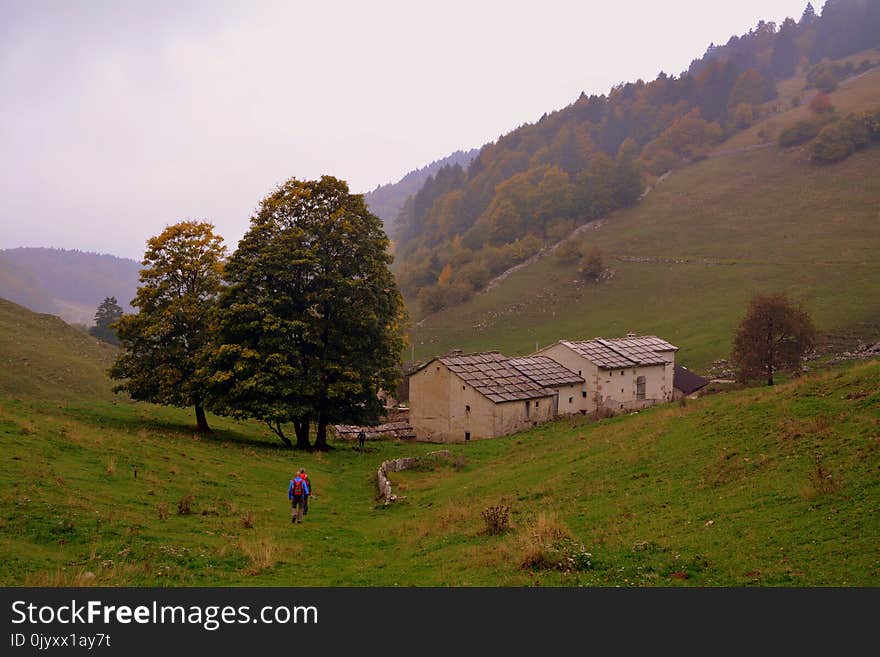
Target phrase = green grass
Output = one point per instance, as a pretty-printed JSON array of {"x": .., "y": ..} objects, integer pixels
[
  {"x": 724, "y": 491},
  {"x": 757, "y": 221}
]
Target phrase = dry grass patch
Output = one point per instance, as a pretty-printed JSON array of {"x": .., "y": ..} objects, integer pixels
[
  {"x": 548, "y": 544},
  {"x": 261, "y": 553}
]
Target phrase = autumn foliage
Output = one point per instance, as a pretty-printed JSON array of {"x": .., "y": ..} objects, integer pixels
[{"x": 775, "y": 334}]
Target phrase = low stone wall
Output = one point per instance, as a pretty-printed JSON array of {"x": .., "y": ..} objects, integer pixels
[{"x": 395, "y": 465}]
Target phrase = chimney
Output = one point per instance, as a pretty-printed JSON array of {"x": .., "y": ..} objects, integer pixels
[{"x": 630, "y": 334}]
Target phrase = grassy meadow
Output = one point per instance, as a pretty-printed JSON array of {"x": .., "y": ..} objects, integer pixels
[{"x": 763, "y": 487}]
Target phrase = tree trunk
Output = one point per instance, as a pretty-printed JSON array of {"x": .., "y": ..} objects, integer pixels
[
  {"x": 278, "y": 431},
  {"x": 321, "y": 433},
  {"x": 201, "y": 420},
  {"x": 302, "y": 433}
]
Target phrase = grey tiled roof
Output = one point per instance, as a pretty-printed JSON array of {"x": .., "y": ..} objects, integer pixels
[
  {"x": 687, "y": 381},
  {"x": 545, "y": 371},
  {"x": 623, "y": 352},
  {"x": 494, "y": 377}
]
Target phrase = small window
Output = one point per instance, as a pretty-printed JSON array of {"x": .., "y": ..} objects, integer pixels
[
  {"x": 438, "y": 368},
  {"x": 621, "y": 390},
  {"x": 570, "y": 399},
  {"x": 467, "y": 408},
  {"x": 463, "y": 387},
  {"x": 584, "y": 394},
  {"x": 536, "y": 404},
  {"x": 622, "y": 372},
  {"x": 467, "y": 436},
  {"x": 640, "y": 387},
  {"x": 579, "y": 373}
]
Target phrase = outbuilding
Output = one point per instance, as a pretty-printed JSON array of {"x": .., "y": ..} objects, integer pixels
[{"x": 463, "y": 397}]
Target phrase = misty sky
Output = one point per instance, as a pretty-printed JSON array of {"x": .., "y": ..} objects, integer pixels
[{"x": 120, "y": 118}]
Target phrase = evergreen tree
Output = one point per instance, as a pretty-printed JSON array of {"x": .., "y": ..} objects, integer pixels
[{"x": 106, "y": 316}]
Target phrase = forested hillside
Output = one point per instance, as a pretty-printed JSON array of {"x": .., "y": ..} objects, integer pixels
[
  {"x": 536, "y": 184},
  {"x": 66, "y": 283},
  {"x": 386, "y": 200}
]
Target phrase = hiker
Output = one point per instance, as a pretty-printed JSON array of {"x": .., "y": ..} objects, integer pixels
[
  {"x": 297, "y": 493},
  {"x": 362, "y": 439},
  {"x": 309, "y": 489}
]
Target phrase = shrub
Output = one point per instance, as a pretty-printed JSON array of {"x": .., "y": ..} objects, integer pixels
[
  {"x": 593, "y": 265},
  {"x": 821, "y": 104},
  {"x": 185, "y": 505},
  {"x": 568, "y": 251},
  {"x": 551, "y": 547},
  {"x": 799, "y": 133},
  {"x": 838, "y": 140},
  {"x": 497, "y": 519}
]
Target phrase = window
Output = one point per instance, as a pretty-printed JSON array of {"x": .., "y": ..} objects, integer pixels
[
  {"x": 463, "y": 387},
  {"x": 640, "y": 387},
  {"x": 579, "y": 373},
  {"x": 622, "y": 372},
  {"x": 621, "y": 391},
  {"x": 467, "y": 408},
  {"x": 527, "y": 408},
  {"x": 536, "y": 404},
  {"x": 584, "y": 394},
  {"x": 570, "y": 400},
  {"x": 467, "y": 436}
]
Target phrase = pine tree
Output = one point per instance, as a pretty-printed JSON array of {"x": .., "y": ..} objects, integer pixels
[{"x": 107, "y": 314}]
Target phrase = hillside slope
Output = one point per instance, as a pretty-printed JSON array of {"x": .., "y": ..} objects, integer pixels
[
  {"x": 66, "y": 283},
  {"x": 43, "y": 357},
  {"x": 688, "y": 257},
  {"x": 772, "y": 487}
]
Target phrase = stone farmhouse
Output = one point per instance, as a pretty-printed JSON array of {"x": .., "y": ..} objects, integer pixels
[
  {"x": 461, "y": 397},
  {"x": 621, "y": 374}
]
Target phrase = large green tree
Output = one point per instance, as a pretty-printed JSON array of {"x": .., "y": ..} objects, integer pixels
[
  {"x": 310, "y": 325},
  {"x": 774, "y": 334},
  {"x": 165, "y": 343},
  {"x": 109, "y": 312}
]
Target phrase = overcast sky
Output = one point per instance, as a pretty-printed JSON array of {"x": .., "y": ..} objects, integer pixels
[{"x": 120, "y": 118}]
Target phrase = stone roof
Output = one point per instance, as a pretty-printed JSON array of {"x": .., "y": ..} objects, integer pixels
[
  {"x": 613, "y": 353},
  {"x": 687, "y": 381},
  {"x": 545, "y": 371},
  {"x": 492, "y": 375}
]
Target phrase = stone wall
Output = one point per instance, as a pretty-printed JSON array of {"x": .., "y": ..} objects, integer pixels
[{"x": 395, "y": 465}]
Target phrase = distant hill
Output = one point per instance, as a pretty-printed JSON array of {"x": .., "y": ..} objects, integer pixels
[
  {"x": 42, "y": 356},
  {"x": 66, "y": 283},
  {"x": 683, "y": 262},
  {"x": 534, "y": 185},
  {"x": 386, "y": 200}
]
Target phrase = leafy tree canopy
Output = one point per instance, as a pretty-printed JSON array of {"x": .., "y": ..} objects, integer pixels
[
  {"x": 165, "y": 343},
  {"x": 774, "y": 334},
  {"x": 310, "y": 325}
]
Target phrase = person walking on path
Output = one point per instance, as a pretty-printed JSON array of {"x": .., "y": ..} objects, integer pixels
[
  {"x": 362, "y": 439},
  {"x": 297, "y": 493},
  {"x": 309, "y": 489}
]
